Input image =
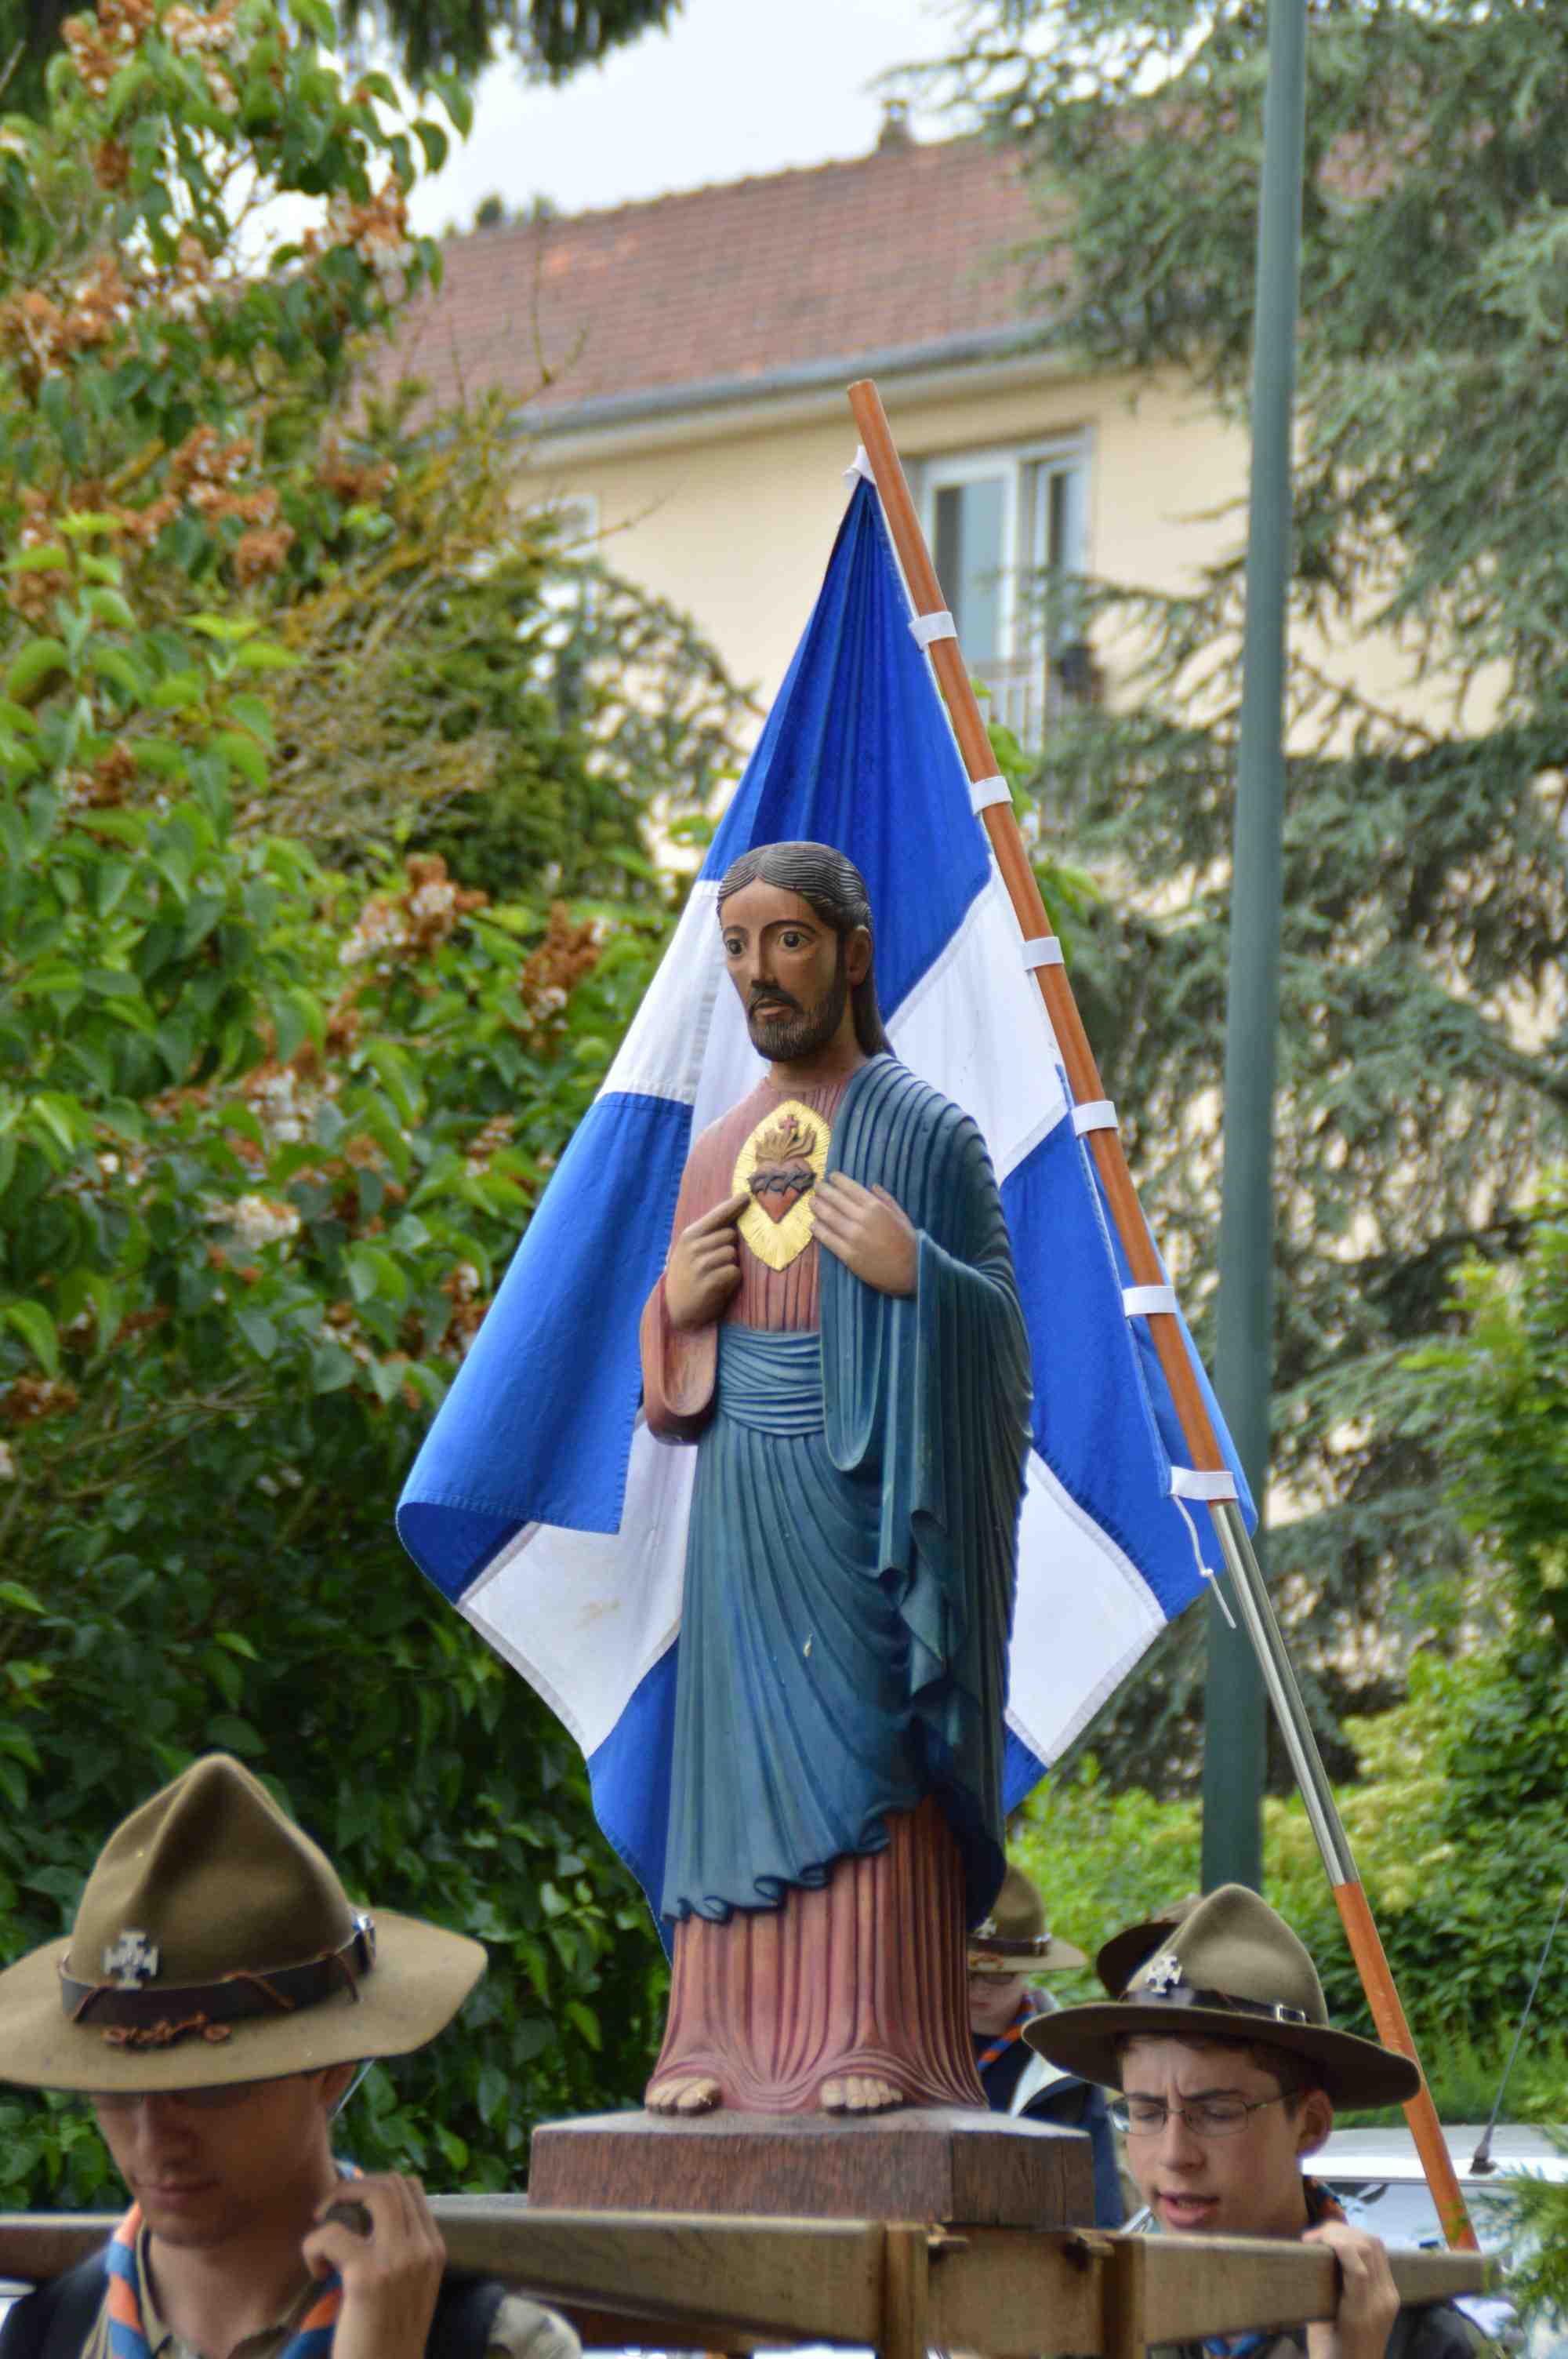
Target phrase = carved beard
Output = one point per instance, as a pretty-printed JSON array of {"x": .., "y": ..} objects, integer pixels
[{"x": 788, "y": 1034}]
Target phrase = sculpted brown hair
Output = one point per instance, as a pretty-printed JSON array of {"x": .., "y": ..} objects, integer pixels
[{"x": 830, "y": 884}]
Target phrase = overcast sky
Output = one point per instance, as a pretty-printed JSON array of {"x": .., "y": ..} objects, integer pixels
[{"x": 734, "y": 87}]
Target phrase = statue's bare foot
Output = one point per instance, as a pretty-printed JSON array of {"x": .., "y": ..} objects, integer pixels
[
  {"x": 679, "y": 2094},
  {"x": 858, "y": 2092}
]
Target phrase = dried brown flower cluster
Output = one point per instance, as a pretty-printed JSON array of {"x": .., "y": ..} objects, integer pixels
[
  {"x": 349, "y": 483},
  {"x": 37, "y": 334},
  {"x": 203, "y": 472},
  {"x": 377, "y": 231},
  {"x": 32, "y": 595},
  {"x": 26, "y": 1400},
  {"x": 112, "y": 164},
  {"x": 488, "y": 1141},
  {"x": 460, "y": 1286},
  {"x": 99, "y": 45},
  {"x": 107, "y": 785},
  {"x": 551, "y": 973},
  {"x": 412, "y": 924}
]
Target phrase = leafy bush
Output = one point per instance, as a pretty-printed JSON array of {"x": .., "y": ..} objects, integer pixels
[
  {"x": 266, "y": 1130},
  {"x": 1456, "y": 1829}
]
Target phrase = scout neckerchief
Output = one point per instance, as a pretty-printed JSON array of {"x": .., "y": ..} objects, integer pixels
[
  {"x": 1321, "y": 2205},
  {"x": 1028, "y": 2008},
  {"x": 312, "y": 2339}
]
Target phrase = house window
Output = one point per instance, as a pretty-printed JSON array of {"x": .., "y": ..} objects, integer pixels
[{"x": 1009, "y": 530}]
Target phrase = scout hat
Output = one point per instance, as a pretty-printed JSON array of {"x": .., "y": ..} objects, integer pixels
[
  {"x": 1118, "y": 1959},
  {"x": 1231, "y": 1970},
  {"x": 214, "y": 1943},
  {"x": 1013, "y": 1939}
]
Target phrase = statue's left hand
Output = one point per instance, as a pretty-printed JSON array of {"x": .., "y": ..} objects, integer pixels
[{"x": 869, "y": 1232}]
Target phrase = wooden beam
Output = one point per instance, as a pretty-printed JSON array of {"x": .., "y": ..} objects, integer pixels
[
  {"x": 1012, "y": 2294},
  {"x": 1236, "y": 2282},
  {"x": 710, "y": 2283}
]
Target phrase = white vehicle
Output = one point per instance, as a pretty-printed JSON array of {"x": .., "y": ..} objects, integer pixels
[{"x": 1376, "y": 2176}]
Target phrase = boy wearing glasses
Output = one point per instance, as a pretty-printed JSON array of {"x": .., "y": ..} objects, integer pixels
[
  {"x": 216, "y": 1999},
  {"x": 1229, "y": 2075}
]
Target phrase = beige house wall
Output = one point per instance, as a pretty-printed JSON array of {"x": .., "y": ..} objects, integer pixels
[{"x": 731, "y": 515}]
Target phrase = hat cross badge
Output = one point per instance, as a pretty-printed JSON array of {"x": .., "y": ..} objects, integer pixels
[
  {"x": 1164, "y": 1973},
  {"x": 132, "y": 1960}
]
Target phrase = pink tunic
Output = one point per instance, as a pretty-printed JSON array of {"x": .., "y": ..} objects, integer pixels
[{"x": 866, "y": 1975}]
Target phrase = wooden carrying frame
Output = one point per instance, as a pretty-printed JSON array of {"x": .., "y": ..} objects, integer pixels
[{"x": 669, "y": 2281}]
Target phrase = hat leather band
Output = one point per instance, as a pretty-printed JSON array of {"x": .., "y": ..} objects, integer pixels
[
  {"x": 1217, "y": 2001},
  {"x": 157, "y": 2017},
  {"x": 1010, "y": 1945}
]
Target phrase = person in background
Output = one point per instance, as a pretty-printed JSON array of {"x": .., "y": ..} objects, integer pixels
[
  {"x": 217, "y": 1996},
  {"x": 1012, "y": 1945},
  {"x": 1118, "y": 1959}
]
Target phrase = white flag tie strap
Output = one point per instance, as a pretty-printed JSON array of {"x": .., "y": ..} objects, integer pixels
[
  {"x": 927, "y": 627},
  {"x": 983, "y": 792},
  {"x": 859, "y": 465},
  {"x": 1201, "y": 1482},
  {"x": 1043, "y": 950},
  {"x": 1204, "y": 1482},
  {"x": 1142, "y": 1301},
  {"x": 1097, "y": 1114}
]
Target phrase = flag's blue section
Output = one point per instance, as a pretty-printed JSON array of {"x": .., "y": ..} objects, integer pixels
[
  {"x": 538, "y": 1427},
  {"x": 539, "y": 1448},
  {"x": 631, "y": 1807},
  {"x": 857, "y": 753}
]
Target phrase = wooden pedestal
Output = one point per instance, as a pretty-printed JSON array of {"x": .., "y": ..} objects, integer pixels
[{"x": 940, "y": 2166}]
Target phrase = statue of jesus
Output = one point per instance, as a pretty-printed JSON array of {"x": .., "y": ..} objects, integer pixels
[{"x": 837, "y": 1329}]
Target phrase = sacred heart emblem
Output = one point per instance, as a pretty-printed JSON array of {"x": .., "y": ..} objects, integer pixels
[
  {"x": 780, "y": 1164},
  {"x": 782, "y": 1173}
]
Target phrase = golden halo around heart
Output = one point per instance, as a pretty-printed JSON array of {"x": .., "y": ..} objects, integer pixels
[{"x": 792, "y": 1136}]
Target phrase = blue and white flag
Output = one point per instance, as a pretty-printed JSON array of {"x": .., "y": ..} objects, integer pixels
[{"x": 540, "y": 1503}]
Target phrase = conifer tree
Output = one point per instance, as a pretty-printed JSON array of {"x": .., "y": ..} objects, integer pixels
[{"x": 1423, "y": 1073}]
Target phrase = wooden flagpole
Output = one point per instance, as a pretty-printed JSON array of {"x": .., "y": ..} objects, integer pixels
[{"x": 1144, "y": 1261}]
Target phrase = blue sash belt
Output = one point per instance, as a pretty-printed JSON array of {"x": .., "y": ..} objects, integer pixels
[{"x": 772, "y": 1383}]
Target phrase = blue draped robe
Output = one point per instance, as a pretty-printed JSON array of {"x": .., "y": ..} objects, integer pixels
[{"x": 851, "y": 1564}]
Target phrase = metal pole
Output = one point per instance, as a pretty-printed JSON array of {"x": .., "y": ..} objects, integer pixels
[{"x": 1235, "y": 1718}]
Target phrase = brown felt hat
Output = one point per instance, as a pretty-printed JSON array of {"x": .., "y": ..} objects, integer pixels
[
  {"x": 1013, "y": 1939},
  {"x": 213, "y": 1943},
  {"x": 1231, "y": 1970}
]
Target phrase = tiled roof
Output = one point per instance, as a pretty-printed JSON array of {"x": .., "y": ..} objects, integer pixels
[{"x": 905, "y": 248}]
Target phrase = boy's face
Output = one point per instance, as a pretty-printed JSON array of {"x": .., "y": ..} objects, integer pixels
[
  {"x": 1246, "y": 2182},
  {"x": 211, "y": 2167}
]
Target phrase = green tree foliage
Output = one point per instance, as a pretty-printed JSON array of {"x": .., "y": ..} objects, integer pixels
[
  {"x": 1424, "y": 1059},
  {"x": 1454, "y": 1819},
  {"x": 547, "y": 37},
  {"x": 268, "y": 1126},
  {"x": 466, "y": 682},
  {"x": 1503, "y": 1389},
  {"x": 1455, "y": 1814}
]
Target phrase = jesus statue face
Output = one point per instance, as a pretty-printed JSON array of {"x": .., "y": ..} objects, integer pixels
[{"x": 792, "y": 970}]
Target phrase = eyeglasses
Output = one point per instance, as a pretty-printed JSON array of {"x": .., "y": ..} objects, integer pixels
[
  {"x": 194, "y": 2101},
  {"x": 1205, "y": 2117}
]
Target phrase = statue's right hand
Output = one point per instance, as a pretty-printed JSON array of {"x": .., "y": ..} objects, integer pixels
[{"x": 704, "y": 1267}]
